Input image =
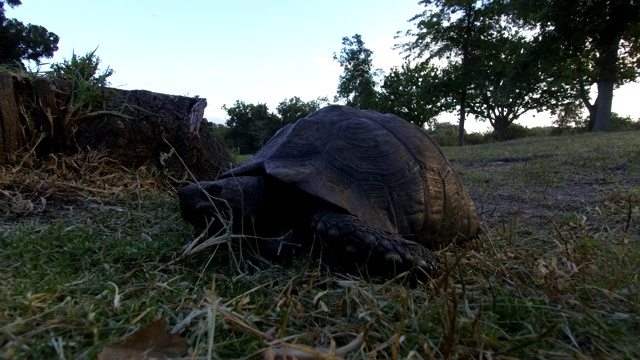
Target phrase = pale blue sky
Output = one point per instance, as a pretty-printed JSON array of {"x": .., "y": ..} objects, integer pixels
[{"x": 250, "y": 50}]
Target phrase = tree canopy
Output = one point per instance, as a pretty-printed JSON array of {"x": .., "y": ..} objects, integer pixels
[
  {"x": 413, "y": 93},
  {"x": 357, "y": 85},
  {"x": 488, "y": 65},
  {"x": 290, "y": 110},
  {"x": 451, "y": 34},
  {"x": 500, "y": 59},
  {"x": 596, "y": 41},
  {"x": 250, "y": 126},
  {"x": 23, "y": 42}
]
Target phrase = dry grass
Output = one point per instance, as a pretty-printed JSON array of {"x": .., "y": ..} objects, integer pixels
[{"x": 90, "y": 254}]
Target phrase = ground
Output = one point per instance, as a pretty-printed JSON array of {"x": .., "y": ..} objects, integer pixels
[{"x": 92, "y": 253}]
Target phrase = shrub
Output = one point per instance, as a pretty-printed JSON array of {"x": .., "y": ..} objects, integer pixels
[
  {"x": 620, "y": 123},
  {"x": 85, "y": 85},
  {"x": 516, "y": 131},
  {"x": 81, "y": 72},
  {"x": 473, "y": 138},
  {"x": 444, "y": 133}
]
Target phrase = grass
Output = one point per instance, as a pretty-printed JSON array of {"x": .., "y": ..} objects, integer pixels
[{"x": 91, "y": 254}]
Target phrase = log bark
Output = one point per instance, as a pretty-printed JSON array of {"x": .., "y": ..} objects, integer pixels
[
  {"x": 158, "y": 129},
  {"x": 136, "y": 128},
  {"x": 11, "y": 139}
]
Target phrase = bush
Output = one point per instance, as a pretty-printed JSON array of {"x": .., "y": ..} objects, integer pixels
[
  {"x": 82, "y": 72},
  {"x": 477, "y": 138},
  {"x": 619, "y": 123},
  {"x": 86, "y": 84},
  {"x": 445, "y": 134},
  {"x": 516, "y": 131},
  {"x": 540, "y": 131}
]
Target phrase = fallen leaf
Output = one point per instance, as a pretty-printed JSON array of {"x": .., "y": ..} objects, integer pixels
[{"x": 151, "y": 342}]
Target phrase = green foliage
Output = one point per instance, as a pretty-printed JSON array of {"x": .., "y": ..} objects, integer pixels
[
  {"x": 499, "y": 60},
  {"x": 23, "y": 42},
  {"x": 512, "y": 82},
  {"x": 593, "y": 42},
  {"x": 414, "y": 94},
  {"x": 579, "y": 125},
  {"x": 569, "y": 116},
  {"x": 250, "y": 126},
  {"x": 219, "y": 130},
  {"x": 85, "y": 85},
  {"x": 357, "y": 86},
  {"x": 454, "y": 32},
  {"x": 81, "y": 72},
  {"x": 514, "y": 131},
  {"x": 623, "y": 123},
  {"x": 82, "y": 86},
  {"x": 475, "y": 139},
  {"x": 290, "y": 110},
  {"x": 444, "y": 133},
  {"x": 492, "y": 71}
]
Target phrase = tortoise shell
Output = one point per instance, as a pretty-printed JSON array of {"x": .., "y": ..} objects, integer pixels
[{"x": 378, "y": 167}]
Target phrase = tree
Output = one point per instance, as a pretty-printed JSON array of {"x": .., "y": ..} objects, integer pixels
[
  {"x": 452, "y": 31},
  {"x": 569, "y": 116},
  {"x": 445, "y": 134},
  {"x": 218, "y": 130},
  {"x": 493, "y": 66},
  {"x": 290, "y": 110},
  {"x": 357, "y": 86},
  {"x": 23, "y": 42},
  {"x": 513, "y": 77},
  {"x": 250, "y": 126},
  {"x": 598, "y": 41},
  {"x": 413, "y": 93}
]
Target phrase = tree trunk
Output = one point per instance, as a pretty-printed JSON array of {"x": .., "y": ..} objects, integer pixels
[
  {"x": 607, "y": 66},
  {"x": 500, "y": 125},
  {"x": 469, "y": 21},
  {"x": 136, "y": 128},
  {"x": 605, "y": 100},
  {"x": 593, "y": 112},
  {"x": 592, "y": 108},
  {"x": 463, "y": 103}
]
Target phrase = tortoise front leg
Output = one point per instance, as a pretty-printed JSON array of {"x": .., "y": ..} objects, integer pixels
[{"x": 382, "y": 252}]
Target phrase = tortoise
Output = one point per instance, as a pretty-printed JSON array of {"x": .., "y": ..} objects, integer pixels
[{"x": 374, "y": 189}]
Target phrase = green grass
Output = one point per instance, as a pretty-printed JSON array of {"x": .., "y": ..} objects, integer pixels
[
  {"x": 242, "y": 158},
  {"x": 555, "y": 274}
]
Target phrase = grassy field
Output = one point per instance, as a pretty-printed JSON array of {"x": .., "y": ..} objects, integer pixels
[{"x": 91, "y": 253}]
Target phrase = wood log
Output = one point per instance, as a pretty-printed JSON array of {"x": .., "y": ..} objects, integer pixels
[
  {"x": 11, "y": 139},
  {"x": 135, "y": 127},
  {"x": 155, "y": 128}
]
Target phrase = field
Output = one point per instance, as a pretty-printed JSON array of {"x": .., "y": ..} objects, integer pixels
[{"x": 91, "y": 254}]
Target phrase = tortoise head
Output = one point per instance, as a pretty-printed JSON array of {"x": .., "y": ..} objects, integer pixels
[{"x": 208, "y": 204}]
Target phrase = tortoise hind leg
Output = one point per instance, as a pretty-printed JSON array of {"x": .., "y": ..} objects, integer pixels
[{"x": 383, "y": 253}]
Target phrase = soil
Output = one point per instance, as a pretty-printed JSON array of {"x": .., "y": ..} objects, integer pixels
[{"x": 537, "y": 206}]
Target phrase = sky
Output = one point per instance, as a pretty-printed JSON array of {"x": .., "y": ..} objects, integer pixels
[{"x": 256, "y": 51}]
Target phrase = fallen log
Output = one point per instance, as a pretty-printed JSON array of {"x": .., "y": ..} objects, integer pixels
[{"x": 135, "y": 127}]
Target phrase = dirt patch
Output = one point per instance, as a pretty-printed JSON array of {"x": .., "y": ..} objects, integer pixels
[{"x": 536, "y": 205}]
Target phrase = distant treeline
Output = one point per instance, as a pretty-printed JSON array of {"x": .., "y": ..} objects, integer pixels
[{"x": 250, "y": 126}]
